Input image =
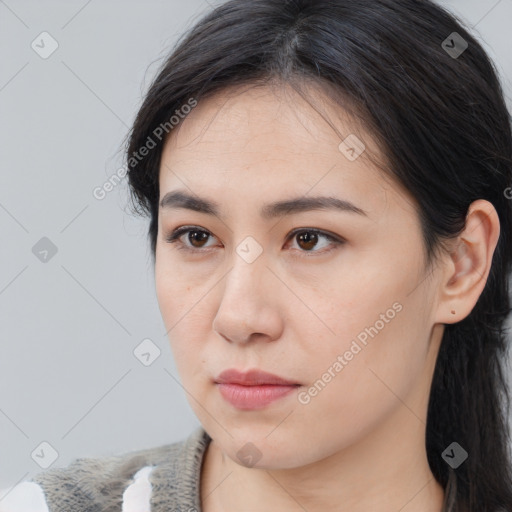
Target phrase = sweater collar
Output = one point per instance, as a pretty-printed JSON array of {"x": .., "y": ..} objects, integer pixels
[{"x": 177, "y": 483}]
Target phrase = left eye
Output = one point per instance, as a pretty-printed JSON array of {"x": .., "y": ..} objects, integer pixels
[{"x": 307, "y": 239}]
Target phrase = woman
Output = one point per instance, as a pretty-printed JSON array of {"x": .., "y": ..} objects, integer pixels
[{"x": 328, "y": 185}]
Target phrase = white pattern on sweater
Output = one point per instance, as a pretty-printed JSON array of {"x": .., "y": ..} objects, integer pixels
[{"x": 29, "y": 496}]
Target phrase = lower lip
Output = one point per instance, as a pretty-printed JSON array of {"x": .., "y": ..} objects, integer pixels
[{"x": 253, "y": 397}]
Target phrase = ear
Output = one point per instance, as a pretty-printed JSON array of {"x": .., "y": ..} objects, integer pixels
[{"x": 468, "y": 264}]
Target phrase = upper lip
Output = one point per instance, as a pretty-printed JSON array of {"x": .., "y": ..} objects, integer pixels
[{"x": 252, "y": 378}]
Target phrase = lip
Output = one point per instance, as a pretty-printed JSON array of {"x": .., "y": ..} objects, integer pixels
[
  {"x": 254, "y": 389},
  {"x": 252, "y": 378}
]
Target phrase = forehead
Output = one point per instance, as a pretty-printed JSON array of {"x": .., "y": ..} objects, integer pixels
[
  {"x": 268, "y": 118},
  {"x": 261, "y": 140}
]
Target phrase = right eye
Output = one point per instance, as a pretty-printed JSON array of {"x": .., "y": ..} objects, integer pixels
[{"x": 195, "y": 235}]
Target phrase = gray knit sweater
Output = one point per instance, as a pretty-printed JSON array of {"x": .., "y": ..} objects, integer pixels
[{"x": 99, "y": 484}]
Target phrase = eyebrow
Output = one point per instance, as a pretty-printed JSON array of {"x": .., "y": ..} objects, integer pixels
[{"x": 181, "y": 199}]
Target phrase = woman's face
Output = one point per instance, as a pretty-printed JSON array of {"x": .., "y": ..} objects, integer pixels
[{"x": 348, "y": 320}]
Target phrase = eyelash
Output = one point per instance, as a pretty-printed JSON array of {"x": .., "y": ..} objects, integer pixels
[{"x": 174, "y": 236}]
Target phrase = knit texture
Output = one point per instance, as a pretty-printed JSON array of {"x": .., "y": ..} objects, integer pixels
[{"x": 97, "y": 484}]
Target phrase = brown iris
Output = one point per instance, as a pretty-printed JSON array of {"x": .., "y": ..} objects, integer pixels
[
  {"x": 202, "y": 237},
  {"x": 309, "y": 238}
]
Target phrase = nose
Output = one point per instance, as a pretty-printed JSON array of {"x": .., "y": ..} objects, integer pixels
[{"x": 249, "y": 307}]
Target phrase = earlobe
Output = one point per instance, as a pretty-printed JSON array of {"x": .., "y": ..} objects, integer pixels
[{"x": 468, "y": 264}]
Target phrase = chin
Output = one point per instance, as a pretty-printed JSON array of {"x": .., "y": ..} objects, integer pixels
[{"x": 251, "y": 446}]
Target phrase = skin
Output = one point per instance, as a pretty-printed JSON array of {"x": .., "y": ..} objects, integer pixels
[{"x": 357, "y": 445}]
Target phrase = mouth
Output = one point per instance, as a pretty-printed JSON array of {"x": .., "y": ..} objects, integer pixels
[{"x": 254, "y": 389}]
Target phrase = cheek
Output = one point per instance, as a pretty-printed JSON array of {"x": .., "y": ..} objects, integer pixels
[
  {"x": 353, "y": 386},
  {"x": 176, "y": 292},
  {"x": 378, "y": 367},
  {"x": 178, "y": 314},
  {"x": 372, "y": 331}
]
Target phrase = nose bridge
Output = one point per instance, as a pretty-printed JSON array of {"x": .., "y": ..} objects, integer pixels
[
  {"x": 246, "y": 275},
  {"x": 246, "y": 305}
]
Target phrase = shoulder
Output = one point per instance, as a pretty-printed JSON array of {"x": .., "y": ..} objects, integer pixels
[
  {"x": 165, "y": 476},
  {"x": 32, "y": 496}
]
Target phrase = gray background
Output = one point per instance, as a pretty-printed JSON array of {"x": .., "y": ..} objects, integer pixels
[{"x": 68, "y": 327}]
